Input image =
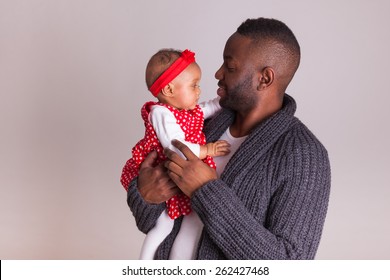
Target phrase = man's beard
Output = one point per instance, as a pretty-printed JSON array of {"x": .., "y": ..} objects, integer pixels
[{"x": 241, "y": 98}]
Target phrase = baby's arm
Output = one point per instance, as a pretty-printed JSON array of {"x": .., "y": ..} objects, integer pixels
[
  {"x": 167, "y": 129},
  {"x": 210, "y": 107},
  {"x": 215, "y": 149}
]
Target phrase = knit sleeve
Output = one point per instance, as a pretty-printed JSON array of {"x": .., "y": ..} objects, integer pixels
[
  {"x": 298, "y": 208},
  {"x": 293, "y": 222},
  {"x": 145, "y": 214}
]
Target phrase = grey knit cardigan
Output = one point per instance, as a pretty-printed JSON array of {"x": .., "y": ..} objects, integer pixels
[{"x": 269, "y": 203}]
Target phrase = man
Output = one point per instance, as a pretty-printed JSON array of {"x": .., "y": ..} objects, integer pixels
[{"x": 269, "y": 198}]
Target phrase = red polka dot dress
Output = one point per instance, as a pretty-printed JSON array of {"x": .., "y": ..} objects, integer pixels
[{"x": 191, "y": 122}]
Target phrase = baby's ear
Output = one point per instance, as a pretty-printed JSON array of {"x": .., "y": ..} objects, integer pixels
[{"x": 167, "y": 90}]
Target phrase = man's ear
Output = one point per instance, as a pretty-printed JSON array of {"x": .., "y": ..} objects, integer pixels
[
  {"x": 168, "y": 90},
  {"x": 266, "y": 78}
]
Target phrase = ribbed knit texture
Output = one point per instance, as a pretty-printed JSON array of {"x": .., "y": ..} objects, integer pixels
[
  {"x": 272, "y": 198},
  {"x": 164, "y": 249},
  {"x": 145, "y": 214}
]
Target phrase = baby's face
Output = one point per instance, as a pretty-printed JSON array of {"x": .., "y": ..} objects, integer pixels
[{"x": 186, "y": 88}]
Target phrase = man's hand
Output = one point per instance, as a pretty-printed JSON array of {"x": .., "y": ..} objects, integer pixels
[
  {"x": 154, "y": 184},
  {"x": 191, "y": 174}
]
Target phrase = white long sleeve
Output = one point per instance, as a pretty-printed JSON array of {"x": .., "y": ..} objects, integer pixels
[
  {"x": 210, "y": 107},
  {"x": 167, "y": 129}
]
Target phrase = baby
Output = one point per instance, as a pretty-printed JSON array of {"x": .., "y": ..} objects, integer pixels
[{"x": 173, "y": 77}]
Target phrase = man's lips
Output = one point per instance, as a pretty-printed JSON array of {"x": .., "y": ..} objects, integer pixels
[{"x": 221, "y": 90}]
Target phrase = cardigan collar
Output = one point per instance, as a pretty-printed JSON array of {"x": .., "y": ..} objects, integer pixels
[
  {"x": 215, "y": 127},
  {"x": 260, "y": 139}
]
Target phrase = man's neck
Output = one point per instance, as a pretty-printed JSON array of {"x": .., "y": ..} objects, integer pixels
[{"x": 244, "y": 123}]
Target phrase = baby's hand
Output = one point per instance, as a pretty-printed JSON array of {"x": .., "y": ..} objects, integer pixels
[{"x": 219, "y": 148}]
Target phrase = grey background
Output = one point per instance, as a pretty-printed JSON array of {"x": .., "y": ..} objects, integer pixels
[{"x": 72, "y": 84}]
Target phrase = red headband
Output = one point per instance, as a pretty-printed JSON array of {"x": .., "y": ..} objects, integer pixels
[{"x": 186, "y": 58}]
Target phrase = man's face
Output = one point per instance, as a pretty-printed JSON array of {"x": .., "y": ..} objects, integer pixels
[{"x": 236, "y": 77}]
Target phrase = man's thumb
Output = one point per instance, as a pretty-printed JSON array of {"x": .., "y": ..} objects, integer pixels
[{"x": 149, "y": 160}]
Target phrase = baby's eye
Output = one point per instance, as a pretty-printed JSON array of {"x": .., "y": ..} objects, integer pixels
[{"x": 196, "y": 86}]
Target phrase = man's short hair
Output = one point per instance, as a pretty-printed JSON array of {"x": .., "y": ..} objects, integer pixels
[{"x": 276, "y": 33}]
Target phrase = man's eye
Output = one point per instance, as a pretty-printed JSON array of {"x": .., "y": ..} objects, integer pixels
[{"x": 229, "y": 68}]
